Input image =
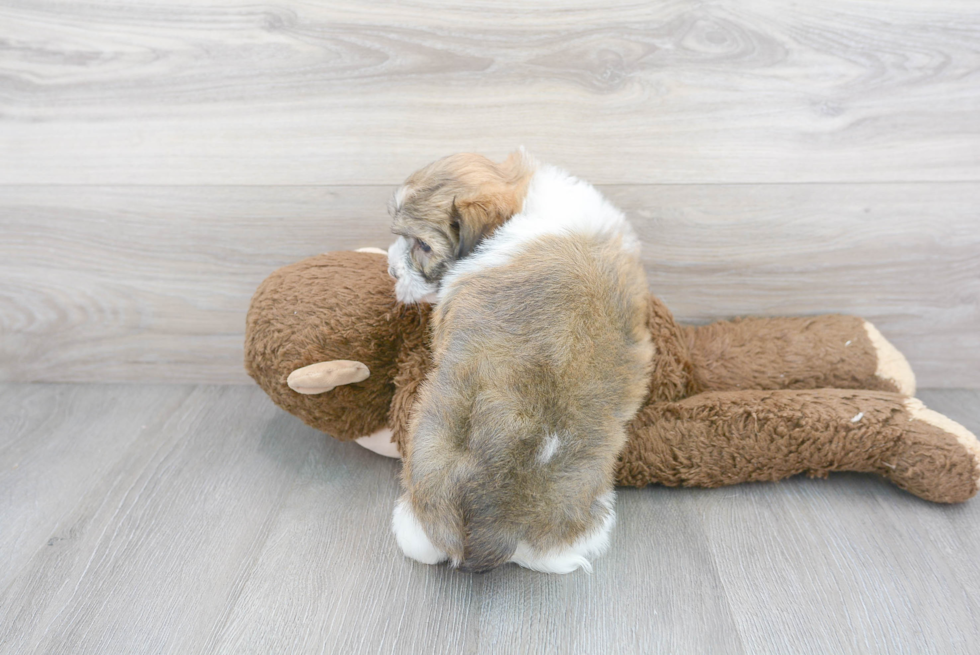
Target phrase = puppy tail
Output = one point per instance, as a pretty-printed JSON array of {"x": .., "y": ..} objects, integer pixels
[{"x": 486, "y": 552}]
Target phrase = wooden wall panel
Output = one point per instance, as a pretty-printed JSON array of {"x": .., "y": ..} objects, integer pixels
[
  {"x": 152, "y": 283},
  {"x": 226, "y": 92},
  {"x": 157, "y": 160}
]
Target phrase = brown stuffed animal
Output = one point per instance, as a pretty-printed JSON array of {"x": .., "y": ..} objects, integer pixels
[{"x": 746, "y": 400}]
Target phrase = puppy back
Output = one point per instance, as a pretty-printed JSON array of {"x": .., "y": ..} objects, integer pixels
[{"x": 538, "y": 365}]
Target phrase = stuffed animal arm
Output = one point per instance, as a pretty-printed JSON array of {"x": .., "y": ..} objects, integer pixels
[{"x": 733, "y": 401}]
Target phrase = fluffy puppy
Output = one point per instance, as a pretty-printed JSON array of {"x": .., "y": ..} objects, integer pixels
[{"x": 541, "y": 356}]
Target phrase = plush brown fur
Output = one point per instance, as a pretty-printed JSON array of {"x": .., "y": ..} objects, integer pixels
[
  {"x": 770, "y": 418},
  {"x": 814, "y": 352},
  {"x": 454, "y": 203},
  {"x": 551, "y": 345},
  {"x": 304, "y": 313},
  {"x": 720, "y": 438}
]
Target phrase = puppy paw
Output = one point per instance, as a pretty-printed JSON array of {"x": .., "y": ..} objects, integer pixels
[
  {"x": 411, "y": 537},
  {"x": 576, "y": 555},
  {"x": 892, "y": 365},
  {"x": 560, "y": 561}
]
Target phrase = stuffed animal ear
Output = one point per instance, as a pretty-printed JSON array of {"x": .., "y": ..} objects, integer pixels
[{"x": 324, "y": 376}]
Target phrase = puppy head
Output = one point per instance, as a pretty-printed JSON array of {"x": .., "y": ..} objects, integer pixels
[{"x": 445, "y": 210}]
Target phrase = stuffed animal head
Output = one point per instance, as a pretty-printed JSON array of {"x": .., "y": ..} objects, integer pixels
[{"x": 331, "y": 353}]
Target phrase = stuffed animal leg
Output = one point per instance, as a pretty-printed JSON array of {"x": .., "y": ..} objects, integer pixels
[
  {"x": 834, "y": 351},
  {"x": 816, "y": 352},
  {"x": 721, "y": 438}
]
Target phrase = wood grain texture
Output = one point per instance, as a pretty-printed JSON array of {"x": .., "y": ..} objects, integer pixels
[
  {"x": 55, "y": 448},
  {"x": 226, "y": 92},
  {"x": 204, "y": 520},
  {"x": 152, "y": 283},
  {"x": 155, "y": 544}
]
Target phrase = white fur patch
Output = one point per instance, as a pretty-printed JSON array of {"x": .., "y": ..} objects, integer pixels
[
  {"x": 411, "y": 537},
  {"x": 410, "y": 286},
  {"x": 404, "y": 193},
  {"x": 548, "y": 449},
  {"x": 380, "y": 442},
  {"x": 577, "y": 555},
  {"x": 556, "y": 203}
]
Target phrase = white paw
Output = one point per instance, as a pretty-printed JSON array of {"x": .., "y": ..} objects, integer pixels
[
  {"x": 575, "y": 556},
  {"x": 411, "y": 537}
]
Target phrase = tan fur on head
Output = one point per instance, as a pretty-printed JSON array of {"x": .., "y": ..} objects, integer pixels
[{"x": 444, "y": 210}]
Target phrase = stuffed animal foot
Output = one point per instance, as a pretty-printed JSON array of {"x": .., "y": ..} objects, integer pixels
[
  {"x": 891, "y": 363},
  {"x": 721, "y": 438},
  {"x": 937, "y": 458}
]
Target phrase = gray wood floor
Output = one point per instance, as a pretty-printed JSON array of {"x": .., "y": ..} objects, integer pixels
[{"x": 193, "y": 519}]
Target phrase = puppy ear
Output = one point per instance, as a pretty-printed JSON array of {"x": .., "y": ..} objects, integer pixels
[
  {"x": 497, "y": 197},
  {"x": 472, "y": 221}
]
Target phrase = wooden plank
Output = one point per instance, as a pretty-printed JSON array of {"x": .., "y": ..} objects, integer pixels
[
  {"x": 163, "y": 531},
  {"x": 862, "y": 558},
  {"x": 152, "y": 283},
  {"x": 659, "y": 593},
  {"x": 225, "y": 92},
  {"x": 54, "y": 447},
  {"x": 906, "y": 257},
  {"x": 674, "y": 602},
  {"x": 329, "y": 578},
  {"x": 225, "y": 526}
]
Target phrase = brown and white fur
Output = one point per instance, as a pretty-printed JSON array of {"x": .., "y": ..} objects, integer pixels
[
  {"x": 541, "y": 356},
  {"x": 444, "y": 210}
]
